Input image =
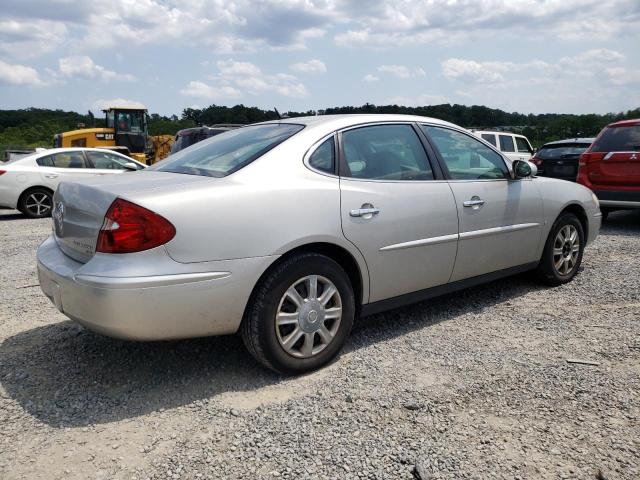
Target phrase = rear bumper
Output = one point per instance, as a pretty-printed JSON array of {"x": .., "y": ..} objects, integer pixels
[
  {"x": 619, "y": 198},
  {"x": 158, "y": 307}
]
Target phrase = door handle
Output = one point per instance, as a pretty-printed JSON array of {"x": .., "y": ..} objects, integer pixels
[
  {"x": 364, "y": 212},
  {"x": 474, "y": 202},
  {"x": 52, "y": 175}
]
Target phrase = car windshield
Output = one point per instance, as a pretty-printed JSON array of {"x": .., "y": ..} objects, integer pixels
[
  {"x": 560, "y": 151},
  {"x": 618, "y": 139},
  {"x": 228, "y": 152}
]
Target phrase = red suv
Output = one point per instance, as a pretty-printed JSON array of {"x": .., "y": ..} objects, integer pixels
[{"x": 611, "y": 166}]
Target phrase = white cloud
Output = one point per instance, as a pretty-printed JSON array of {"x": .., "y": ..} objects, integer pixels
[
  {"x": 584, "y": 64},
  {"x": 370, "y": 78},
  {"x": 116, "y": 102},
  {"x": 587, "y": 81},
  {"x": 312, "y": 66},
  {"x": 84, "y": 66},
  {"x": 234, "y": 79},
  {"x": 470, "y": 70},
  {"x": 208, "y": 92},
  {"x": 383, "y": 24},
  {"x": 401, "y": 71},
  {"x": 22, "y": 38},
  {"x": 19, "y": 75}
]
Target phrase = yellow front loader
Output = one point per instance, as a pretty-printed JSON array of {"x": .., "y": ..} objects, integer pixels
[{"x": 124, "y": 130}]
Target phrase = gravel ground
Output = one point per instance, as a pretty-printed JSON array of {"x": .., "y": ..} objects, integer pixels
[{"x": 471, "y": 385}]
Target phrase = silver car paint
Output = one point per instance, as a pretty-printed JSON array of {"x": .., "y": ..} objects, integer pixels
[{"x": 231, "y": 229}]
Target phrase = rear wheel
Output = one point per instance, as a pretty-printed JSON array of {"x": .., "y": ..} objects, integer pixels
[
  {"x": 300, "y": 315},
  {"x": 563, "y": 251},
  {"x": 36, "y": 203}
]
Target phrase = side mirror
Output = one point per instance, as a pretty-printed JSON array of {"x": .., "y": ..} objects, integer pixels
[
  {"x": 523, "y": 169},
  {"x": 130, "y": 166}
]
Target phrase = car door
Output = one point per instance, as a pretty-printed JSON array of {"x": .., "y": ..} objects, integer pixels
[
  {"x": 63, "y": 166},
  {"x": 396, "y": 209},
  {"x": 105, "y": 163},
  {"x": 500, "y": 219}
]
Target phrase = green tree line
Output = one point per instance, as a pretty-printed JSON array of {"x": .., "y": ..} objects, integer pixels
[{"x": 35, "y": 127}]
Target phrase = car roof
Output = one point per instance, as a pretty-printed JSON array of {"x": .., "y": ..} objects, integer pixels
[
  {"x": 346, "y": 120},
  {"x": 49, "y": 151},
  {"x": 498, "y": 132},
  {"x": 625, "y": 123},
  {"x": 571, "y": 140}
]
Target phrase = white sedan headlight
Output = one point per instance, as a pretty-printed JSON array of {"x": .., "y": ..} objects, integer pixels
[{"x": 595, "y": 200}]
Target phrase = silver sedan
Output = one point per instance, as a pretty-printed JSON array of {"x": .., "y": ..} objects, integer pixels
[{"x": 285, "y": 231}]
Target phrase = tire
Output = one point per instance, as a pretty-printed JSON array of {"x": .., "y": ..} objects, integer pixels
[
  {"x": 36, "y": 203},
  {"x": 320, "y": 336},
  {"x": 562, "y": 257}
]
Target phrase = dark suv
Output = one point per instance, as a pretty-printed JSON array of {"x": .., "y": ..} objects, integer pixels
[
  {"x": 187, "y": 137},
  {"x": 611, "y": 166},
  {"x": 560, "y": 159}
]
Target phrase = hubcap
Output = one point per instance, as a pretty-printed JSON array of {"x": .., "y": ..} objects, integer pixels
[
  {"x": 308, "y": 316},
  {"x": 38, "y": 203},
  {"x": 566, "y": 248}
]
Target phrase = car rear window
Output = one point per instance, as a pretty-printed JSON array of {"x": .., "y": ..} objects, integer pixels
[
  {"x": 228, "y": 152},
  {"x": 618, "y": 139},
  {"x": 562, "y": 151}
]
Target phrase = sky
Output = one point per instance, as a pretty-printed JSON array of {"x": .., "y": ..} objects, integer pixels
[{"x": 530, "y": 56}]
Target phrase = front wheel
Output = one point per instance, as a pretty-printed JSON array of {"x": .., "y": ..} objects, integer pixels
[
  {"x": 563, "y": 251},
  {"x": 300, "y": 314},
  {"x": 36, "y": 203}
]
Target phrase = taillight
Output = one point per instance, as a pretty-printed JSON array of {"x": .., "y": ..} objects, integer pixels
[
  {"x": 589, "y": 157},
  {"x": 2, "y": 172},
  {"x": 129, "y": 228},
  {"x": 536, "y": 161}
]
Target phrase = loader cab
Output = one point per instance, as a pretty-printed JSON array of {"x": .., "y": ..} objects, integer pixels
[{"x": 129, "y": 126}]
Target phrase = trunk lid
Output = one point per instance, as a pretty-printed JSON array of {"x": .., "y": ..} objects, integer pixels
[{"x": 79, "y": 208}]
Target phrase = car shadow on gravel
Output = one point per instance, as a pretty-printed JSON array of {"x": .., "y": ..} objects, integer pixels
[
  {"x": 67, "y": 376},
  {"x": 6, "y": 215},
  {"x": 624, "y": 222}
]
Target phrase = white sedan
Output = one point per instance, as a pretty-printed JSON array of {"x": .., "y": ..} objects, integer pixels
[{"x": 27, "y": 184}]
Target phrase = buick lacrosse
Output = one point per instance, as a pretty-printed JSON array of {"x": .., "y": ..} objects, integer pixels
[{"x": 285, "y": 231}]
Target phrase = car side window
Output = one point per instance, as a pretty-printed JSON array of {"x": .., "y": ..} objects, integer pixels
[
  {"x": 491, "y": 138},
  {"x": 45, "y": 161},
  {"x": 523, "y": 146},
  {"x": 385, "y": 152},
  {"x": 106, "y": 161},
  {"x": 324, "y": 157},
  {"x": 465, "y": 157},
  {"x": 506, "y": 143},
  {"x": 63, "y": 160}
]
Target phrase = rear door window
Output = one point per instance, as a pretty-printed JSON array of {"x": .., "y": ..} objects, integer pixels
[
  {"x": 618, "y": 139},
  {"x": 385, "y": 152},
  {"x": 506, "y": 143},
  {"x": 63, "y": 160}
]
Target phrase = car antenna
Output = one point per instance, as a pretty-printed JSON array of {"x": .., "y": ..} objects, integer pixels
[{"x": 280, "y": 116}]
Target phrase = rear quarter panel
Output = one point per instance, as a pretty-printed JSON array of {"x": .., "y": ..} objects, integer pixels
[{"x": 268, "y": 208}]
